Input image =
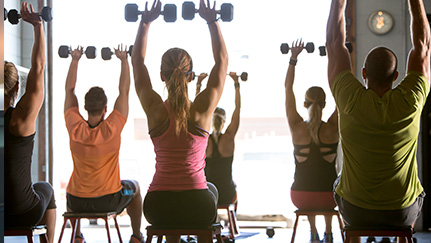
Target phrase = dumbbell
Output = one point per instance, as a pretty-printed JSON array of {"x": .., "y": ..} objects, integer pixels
[
  {"x": 284, "y": 48},
  {"x": 64, "y": 51},
  {"x": 107, "y": 53},
  {"x": 322, "y": 49},
  {"x": 189, "y": 10},
  {"x": 14, "y": 16},
  {"x": 131, "y": 12},
  {"x": 5, "y": 14},
  {"x": 243, "y": 76}
]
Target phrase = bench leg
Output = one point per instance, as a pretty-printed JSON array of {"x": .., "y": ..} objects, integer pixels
[
  {"x": 118, "y": 229},
  {"x": 107, "y": 229},
  {"x": 62, "y": 230},
  {"x": 294, "y": 229},
  {"x": 74, "y": 224},
  {"x": 340, "y": 222}
]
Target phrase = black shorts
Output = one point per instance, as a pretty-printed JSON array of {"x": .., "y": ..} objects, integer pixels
[
  {"x": 115, "y": 202},
  {"x": 190, "y": 207},
  {"x": 45, "y": 193},
  {"x": 357, "y": 216}
]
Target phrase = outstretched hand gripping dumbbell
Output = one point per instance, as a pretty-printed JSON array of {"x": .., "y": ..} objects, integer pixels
[
  {"x": 90, "y": 52},
  {"x": 107, "y": 53},
  {"x": 284, "y": 48},
  {"x": 189, "y": 10},
  {"x": 131, "y": 12},
  {"x": 243, "y": 76},
  {"x": 13, "y": 15}
]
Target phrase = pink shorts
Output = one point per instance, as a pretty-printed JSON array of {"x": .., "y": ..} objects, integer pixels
[{"x": 313, "y": 200}]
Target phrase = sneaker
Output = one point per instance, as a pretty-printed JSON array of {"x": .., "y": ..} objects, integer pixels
[
  {"x": 328, "y": 238},
  {"x": 134, "y": 239},
  {"x": 80, "y": 239},
  {"x": 314, "y": 237}
]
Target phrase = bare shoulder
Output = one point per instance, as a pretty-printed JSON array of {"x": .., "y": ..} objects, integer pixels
[
  {"x": 328, "y": 133},
  {"x": 300, "y": 133}
]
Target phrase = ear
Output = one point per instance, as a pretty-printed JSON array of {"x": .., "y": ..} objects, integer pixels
[
  {"x": 162, "y": 77},
  {"x": 396, "y": 76},
  {"x": 190, "y": 77},
  {"x": 305, "y": 104},
  {"x": 364, "y": 74}
]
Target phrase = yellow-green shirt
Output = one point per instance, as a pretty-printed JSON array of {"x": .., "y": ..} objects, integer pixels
[{"x": 379, "y": 141}]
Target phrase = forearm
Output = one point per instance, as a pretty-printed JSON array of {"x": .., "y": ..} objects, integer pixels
[
  {"x": 72, "y": 76},
  {"x": 140, "y": 46},
  {"x": 290, "y": 77},
  {"x": 237, "y": 98},
  {"x": 198, "y": 88},
  {"x": 335, "y": 29},
  {"x": 419, "y": 25},
  {"x": 124, "y": 85},
  {"x": 38, "y": 51},
  {"x": 218, "y": 44}
]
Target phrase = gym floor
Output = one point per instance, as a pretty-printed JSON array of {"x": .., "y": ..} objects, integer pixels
[{"x": 251, "y": 232}]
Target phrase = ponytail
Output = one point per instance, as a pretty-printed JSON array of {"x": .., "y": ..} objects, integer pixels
[
  {"x": 315, "y": 114},
  {"x": 178, "y": 99},
  {"x": 314, "y": 102},
  {"x": 219, "y": 118},
  {"x": 176, "y": 66}
]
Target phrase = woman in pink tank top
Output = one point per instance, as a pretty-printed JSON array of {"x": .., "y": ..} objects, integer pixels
[{"x": 179, "y": 193}]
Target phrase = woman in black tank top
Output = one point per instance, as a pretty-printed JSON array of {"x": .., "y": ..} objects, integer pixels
[
  {"x": 26, "y": 204},
  {"x": 315, "y": 148},
  {"x": 221, "y": 147}
]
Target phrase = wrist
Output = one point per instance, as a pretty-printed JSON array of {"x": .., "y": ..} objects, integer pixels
[
  {"x": 236, "y": 84},
  {"x": 212, "y": 21},
  {"x": 293, "y": 61}
]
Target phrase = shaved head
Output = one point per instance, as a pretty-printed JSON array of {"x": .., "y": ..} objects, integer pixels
[{"x": 381, "y": 66}]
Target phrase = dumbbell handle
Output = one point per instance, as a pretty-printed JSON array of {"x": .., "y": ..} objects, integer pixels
[{"x": 46, "y": 15}]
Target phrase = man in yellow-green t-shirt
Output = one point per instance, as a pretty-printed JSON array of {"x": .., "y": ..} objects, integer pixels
[{"x": 379, "y": 125}]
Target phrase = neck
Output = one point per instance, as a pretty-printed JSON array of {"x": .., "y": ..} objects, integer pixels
[
  {"x": 93, "y": 121},
  {"x": 379, "y": 90}
]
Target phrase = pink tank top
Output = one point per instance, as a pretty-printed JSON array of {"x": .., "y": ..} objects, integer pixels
[{"x": 180, "y": 161}]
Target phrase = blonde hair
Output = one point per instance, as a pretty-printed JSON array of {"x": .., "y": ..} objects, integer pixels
[
  {"x": 11, "y": 77},
  {"x": 219, "y": 118},
  {"x": 314, "y": 102},
  {"x": 176, "y": 66}
]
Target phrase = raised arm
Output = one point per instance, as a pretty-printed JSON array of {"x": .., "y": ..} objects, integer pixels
[
  {"x": 419, "y": 58},
  {"x": 23, "y": 121},
  {"x": 207, "y": 100},
  {"x": 232, "y": 129},
  {"x": 70, "y": 99},
  {"x": 147, "y": 96},
  {"x": 293, "y": 118},
  {"x": 200, "y": 78},
  {"x": 122, "y": 102},
  {"x": 338, "y": 55}
]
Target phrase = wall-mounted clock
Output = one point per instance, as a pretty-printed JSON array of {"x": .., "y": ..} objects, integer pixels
[{"x": 380, "y": 22}]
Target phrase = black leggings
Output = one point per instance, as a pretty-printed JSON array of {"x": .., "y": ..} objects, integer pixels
[
  {"x": 190, "y": 207},
  {"x": 45, "y": 193}
]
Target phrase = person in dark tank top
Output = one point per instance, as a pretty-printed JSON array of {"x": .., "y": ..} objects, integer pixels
[{"x": 315, "y": 145}]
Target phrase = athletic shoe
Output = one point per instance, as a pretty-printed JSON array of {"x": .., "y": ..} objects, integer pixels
[
  {"x": 134, "y": 239},
  {"x": 80, "y": 239},
  {"x": 314, "y": 237},
  {"x": 328, "y": 238}
]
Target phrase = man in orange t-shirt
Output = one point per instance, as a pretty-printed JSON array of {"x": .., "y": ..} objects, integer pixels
[{"x": 95, "y": 184}]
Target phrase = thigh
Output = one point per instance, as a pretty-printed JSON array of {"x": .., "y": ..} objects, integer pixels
[
  {"x": 192, "y": 207},
  {"x": 357, "y": 216},
  {"x": 313, "y": 200}
]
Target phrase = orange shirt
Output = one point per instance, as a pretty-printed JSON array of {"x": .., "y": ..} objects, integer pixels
[{"x": 95, "y": 154}]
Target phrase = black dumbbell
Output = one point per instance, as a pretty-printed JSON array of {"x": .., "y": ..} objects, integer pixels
[
  {"x": 14, "y": 16},
  {"x": 284, "y": 48},
  {"x": 131, "y": 12},
  {"x": 322, "y": 49},
  {"x": 90, "y": 52},
  {"x": 107, "y": 53},
  {"x": 189, "y": 10},
  {"x": 270, "y": 232},
  {"x": 243, "y": 76},
  {"x": 5, "y": 14}
]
